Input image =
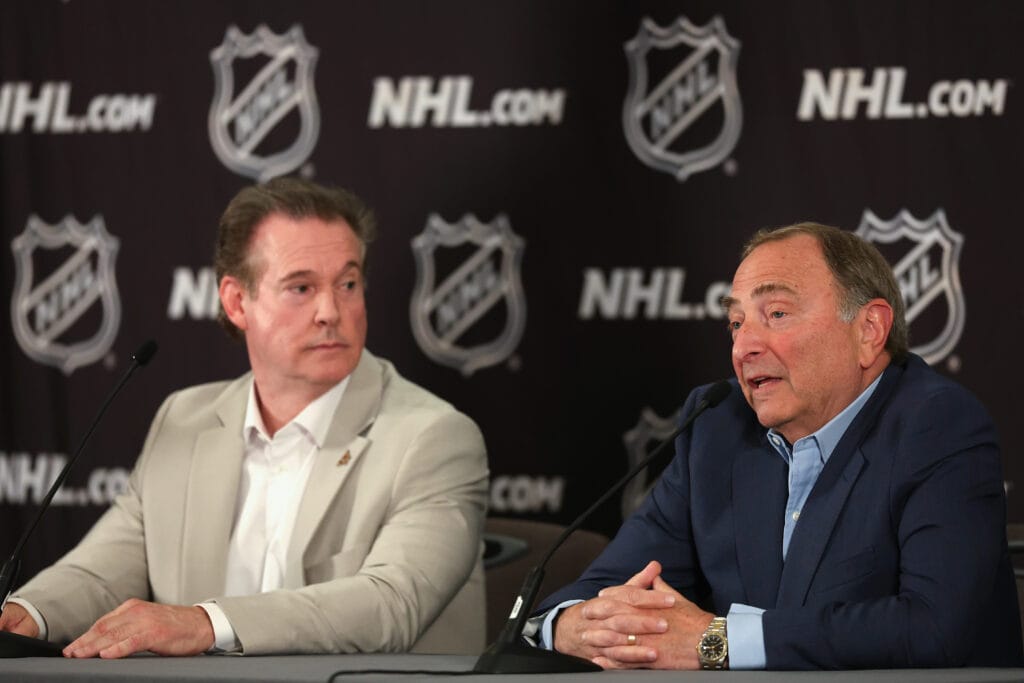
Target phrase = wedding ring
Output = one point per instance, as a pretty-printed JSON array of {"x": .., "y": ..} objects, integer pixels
[{"x": 631, "y": 639}]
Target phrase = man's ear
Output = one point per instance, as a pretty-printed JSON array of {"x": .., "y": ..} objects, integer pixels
[
  {"x": 232, "y": 298},
  {"x": 874, "y": 322}
]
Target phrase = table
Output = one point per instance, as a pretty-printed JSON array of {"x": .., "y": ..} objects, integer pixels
[{"x": 319, "y": 668}]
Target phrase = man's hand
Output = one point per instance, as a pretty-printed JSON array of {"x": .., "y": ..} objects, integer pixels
[
  {"x": 16, "y": 619},
  {"x": 138, "y": 626},
  {"x": 600, "y": 628},
  {"x": 593, "y": 628},
  {"x": 675, "y": 648}
]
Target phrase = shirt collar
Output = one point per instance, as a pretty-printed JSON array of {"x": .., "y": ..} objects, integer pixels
[
  {"x": 827, "y": 438},
  {"x": 314, "y": 420}
]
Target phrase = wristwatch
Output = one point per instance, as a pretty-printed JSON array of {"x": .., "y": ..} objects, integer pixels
[{"x": 713, "y": 648}]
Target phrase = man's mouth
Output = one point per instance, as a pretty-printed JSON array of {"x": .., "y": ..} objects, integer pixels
[
  {"x": 327, "y": 345},
  {"x": 759, "y": 381}
]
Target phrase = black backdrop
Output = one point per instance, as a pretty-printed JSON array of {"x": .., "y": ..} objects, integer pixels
[{"x": 562, "y": 188}]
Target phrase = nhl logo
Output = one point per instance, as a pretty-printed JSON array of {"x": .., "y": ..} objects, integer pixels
[
  {"x": 682, "y": 113},
  {"x": 926, "y": 255},
  {"x": 456, "y": 317},
  {"x": 251, "y": 125},
  {"x": 637, "y": 441},
  {"x": 65, "y": 288}
]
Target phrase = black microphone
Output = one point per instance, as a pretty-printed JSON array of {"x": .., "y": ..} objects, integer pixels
[
  {"x": 508, "y": 654},
  {"x": 11, "y": 644}
]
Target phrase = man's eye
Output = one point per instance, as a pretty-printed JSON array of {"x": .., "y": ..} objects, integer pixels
[
  {"x": 300, "y": 289},
  {"x": 777, "y": 314},
  {"x": 734, "y": 325}
]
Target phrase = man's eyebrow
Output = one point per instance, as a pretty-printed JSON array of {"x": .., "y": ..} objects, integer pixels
[
  {"x": 771, "y": 288},
  {"x": 350, "y": 266},
  {"x": 302, "y": 274},
  {"x": 728, "y": 302},
  {"x": 295, "y": 275}
]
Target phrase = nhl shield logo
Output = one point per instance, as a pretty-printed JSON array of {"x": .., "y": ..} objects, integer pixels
[
  {"x": 682, "y": 112},
  {"x": 464, "y": 271},
  {"x": 267, "y": 125},
  {"x": 650, "y": 428},
  {"x": 926, "y": 258},
  {"x": 65, "y": 309}
]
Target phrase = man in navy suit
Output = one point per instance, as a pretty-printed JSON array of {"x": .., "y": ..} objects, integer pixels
[{"x": 843, "y": 509}]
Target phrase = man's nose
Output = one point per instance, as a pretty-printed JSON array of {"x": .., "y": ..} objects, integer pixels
[
  {"x": 327, "y": 310},
  {"x": 747, "y": 341}
]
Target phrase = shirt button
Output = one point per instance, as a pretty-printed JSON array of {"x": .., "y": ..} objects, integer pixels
[{"x": 796, "y": 515}]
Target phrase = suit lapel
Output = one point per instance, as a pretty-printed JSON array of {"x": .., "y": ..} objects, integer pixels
[
  {"x": 818, "y": 518},
  {"x": 825, "y": 504},
  {"x": 760, "y": 485},
  {"x": 342, "y": 449},
  {"x": 212, "y": 496}
]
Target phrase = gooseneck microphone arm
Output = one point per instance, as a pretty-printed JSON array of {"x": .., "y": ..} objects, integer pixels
[
  {"x": 508, "y": 654},
  {"x": 9, "y": 573}
]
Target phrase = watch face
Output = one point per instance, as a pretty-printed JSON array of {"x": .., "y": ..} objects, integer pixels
[{"x": 712, "y": 647}]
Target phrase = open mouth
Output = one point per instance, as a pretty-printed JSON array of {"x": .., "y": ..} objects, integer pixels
[{"x": 761, "y": 381}]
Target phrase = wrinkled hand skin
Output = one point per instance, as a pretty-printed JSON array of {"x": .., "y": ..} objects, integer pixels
[
  {"x": 139, "y": 626},
  {"x": 16, "y": 619},
  {"x": 666, "y": 624}
]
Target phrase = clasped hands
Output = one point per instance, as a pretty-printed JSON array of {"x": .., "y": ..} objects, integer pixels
[
  {"x": 644, "y": 623},
  {"x": 135, "y": 626}
]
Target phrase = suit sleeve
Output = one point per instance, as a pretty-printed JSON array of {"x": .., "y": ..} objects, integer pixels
[
  {"x": 947, "y": 509},
  {"x": 660, "y": 530},
  {"x": 421, "y": 556},
  {"x": 106, "y": 568}
]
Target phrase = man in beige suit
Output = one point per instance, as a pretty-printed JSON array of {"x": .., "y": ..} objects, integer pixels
[{"x": 320, "y": 503}]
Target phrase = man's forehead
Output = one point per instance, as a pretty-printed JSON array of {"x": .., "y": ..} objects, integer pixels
[
  {"x": 767, "y": 278},
  {"x": 792, "y": 265},
  {"x": 277, "y": 222},
  {"x": 790, "y": 261},
  {"x": 284, "y": 245}
]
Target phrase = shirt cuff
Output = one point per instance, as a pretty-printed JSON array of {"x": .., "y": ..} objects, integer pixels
[
  {"x": 34, "y": 613},
  {"x": 745, "y": 631},
  {"x": 224, "y": 638},
  {"x": 547, "y": 631}
]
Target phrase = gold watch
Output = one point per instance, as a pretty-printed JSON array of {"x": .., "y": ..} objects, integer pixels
[{"x": 713, "y": 648}]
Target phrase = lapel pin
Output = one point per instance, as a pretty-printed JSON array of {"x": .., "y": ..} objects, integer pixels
[{"x": 344, "y": 459}]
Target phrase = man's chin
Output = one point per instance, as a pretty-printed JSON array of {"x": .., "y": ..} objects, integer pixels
[
  {"x": 769, "y": 419},
  {"x": 329, "y": 374},
  {"x": 332, "y": 378}
]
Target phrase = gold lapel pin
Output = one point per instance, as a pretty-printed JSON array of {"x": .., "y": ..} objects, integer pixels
[{"x": 344, "y": 459}]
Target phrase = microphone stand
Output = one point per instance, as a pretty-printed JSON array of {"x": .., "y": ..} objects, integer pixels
[{"x": 12, "y": 644}]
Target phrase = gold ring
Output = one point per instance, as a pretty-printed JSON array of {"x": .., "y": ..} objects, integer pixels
[{"x": 631, "y": 639}]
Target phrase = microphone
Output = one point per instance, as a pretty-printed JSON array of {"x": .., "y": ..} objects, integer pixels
[
  {"x": 508, "y": 654},
  {"x": 14, "y": 645}
]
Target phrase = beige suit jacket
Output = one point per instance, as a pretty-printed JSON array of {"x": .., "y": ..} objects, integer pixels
[{"x": 385, "y": 554}]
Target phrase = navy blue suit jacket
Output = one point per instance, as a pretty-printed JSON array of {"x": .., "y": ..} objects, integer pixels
[{"x": 899, "y": 558}]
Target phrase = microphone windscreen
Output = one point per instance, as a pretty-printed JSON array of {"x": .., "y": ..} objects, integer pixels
[
  {"x": 717, "y": 393},
  {"x": 145, "y": 352}
]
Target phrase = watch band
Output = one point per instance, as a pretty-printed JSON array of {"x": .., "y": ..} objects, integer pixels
[{"x": 713, "y": 648}]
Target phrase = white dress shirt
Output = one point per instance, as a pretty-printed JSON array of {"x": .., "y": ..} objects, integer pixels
[{"x": 274, "y": 475}]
